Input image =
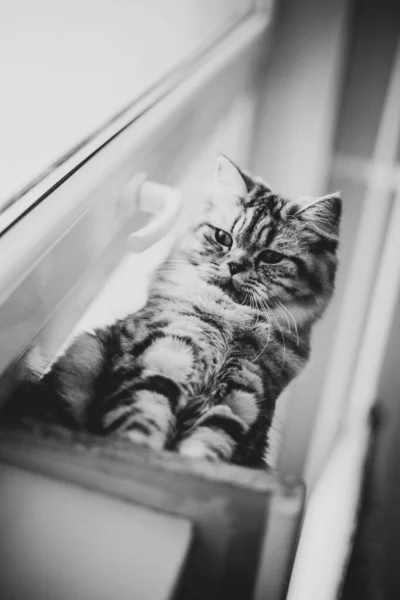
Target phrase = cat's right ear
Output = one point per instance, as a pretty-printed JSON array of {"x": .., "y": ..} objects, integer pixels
[
  {"x": 322, "y": 214},
  {"x": 228, "y": 179}
]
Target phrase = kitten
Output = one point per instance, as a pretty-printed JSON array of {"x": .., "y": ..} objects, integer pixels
[{"x": 225, "y": 328}]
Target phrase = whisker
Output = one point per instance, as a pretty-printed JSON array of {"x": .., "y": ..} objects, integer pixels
[
  {"x": 280, "y": 329},
  {"x": 286, "y": 316},
  {"x": 259, "y": 302},
  {"x": 294, "y": 321},
  {"x": 254, "y": 303}
]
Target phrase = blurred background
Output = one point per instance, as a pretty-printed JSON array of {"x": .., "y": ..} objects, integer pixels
[{"x": 319, "y": 112}]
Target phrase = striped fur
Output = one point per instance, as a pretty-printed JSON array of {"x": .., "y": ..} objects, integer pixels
[{"x": 225, "y": 328}]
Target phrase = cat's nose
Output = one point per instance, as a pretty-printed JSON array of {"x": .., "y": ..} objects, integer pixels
[{"x": 236, "y": 267}]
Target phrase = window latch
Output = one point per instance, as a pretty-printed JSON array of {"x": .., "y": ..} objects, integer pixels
[{"x": 164, "y": 204}]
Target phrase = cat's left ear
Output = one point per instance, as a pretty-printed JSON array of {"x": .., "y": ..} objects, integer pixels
[
  {"x": 228, "y": 178},
  {"x": 322, "y": 213}
]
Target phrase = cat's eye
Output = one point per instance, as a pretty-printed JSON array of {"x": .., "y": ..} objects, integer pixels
[
  {"x": 270, "y": 257},
  {"x": 223, "y": 238}
]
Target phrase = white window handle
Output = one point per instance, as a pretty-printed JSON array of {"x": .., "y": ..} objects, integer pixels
[{"x": 162, "y": 201}]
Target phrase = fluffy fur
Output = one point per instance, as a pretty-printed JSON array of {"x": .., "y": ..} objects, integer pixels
[{"x": 225, "y": 328}]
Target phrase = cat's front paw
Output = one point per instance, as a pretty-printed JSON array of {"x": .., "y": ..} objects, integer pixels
[
  {"x": 215, "y": 435},
  {"x": 221, "y": 413},
  {"x": 154, "y": 441},
  {"x": 196, "y": 449},
  {"x": 148, "y": 420}
]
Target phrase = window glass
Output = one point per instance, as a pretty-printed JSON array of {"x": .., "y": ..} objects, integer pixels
[{"x": 68, "y": 68}]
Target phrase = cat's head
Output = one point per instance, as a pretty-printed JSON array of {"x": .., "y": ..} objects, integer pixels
[{"x": 261, "y": 248}]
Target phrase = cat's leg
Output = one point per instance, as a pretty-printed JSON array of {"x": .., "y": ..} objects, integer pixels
[
  {"x": 73, "y": 377},
  {"x": 146, "y": 405},
  {"x": 63, "y": 395},
  {"x": 214, "y": 436},
  {"x": 218, "y": 433}
]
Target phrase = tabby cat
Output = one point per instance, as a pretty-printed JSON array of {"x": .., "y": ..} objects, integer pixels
[{"x": 225, "y": 328}]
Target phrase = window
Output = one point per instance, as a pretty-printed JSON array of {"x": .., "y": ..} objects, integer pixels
[
  {"x": 69, "y": 70},
  {"x": 77, "y": 209},
  {"x": 74, "y": 217}
]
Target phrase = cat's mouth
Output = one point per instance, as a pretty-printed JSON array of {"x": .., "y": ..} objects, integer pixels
[{"x": 233, "y": 289}]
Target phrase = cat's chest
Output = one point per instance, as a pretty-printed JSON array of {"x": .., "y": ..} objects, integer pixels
[
  {"x": 229, "y": 318},
  {"x": 206, "y": 312},
  {"x": 220, "y": 327}
]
